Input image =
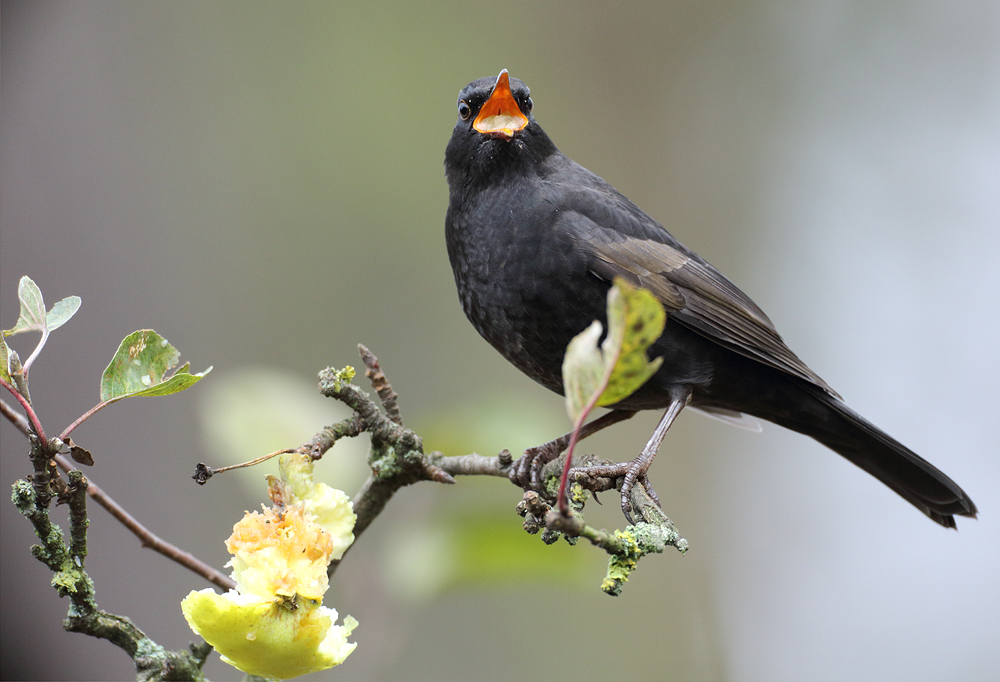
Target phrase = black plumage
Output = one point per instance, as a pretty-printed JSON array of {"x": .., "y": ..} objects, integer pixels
[{"x": 535, "y": 240}]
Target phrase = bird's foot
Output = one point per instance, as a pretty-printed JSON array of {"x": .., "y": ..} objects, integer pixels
[
  {"x": 631, "y": 473},
  {"x": 526, "y": 471}
]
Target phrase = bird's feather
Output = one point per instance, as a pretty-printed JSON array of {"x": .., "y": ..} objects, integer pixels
[{"x": 692, "y": 291}]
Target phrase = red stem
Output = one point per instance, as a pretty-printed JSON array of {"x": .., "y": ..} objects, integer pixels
[
  {"x": 35, "y": 424},
  {"x": 82, "y": 418},
  {"x": 562, "y": 498}
]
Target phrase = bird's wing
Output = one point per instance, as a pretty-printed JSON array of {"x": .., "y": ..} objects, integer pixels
[{"x": 692, "y": 291}]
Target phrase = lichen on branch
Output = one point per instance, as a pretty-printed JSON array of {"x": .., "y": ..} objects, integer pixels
[{"x": 71, "y": 580}]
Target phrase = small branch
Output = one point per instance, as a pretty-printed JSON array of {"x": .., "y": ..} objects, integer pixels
[
  {"x": 381, "y": 385},
  {"x": 396, "y": 457},
  {"x": 18, "y": 420},
  {"x": 71, "y": 580},
  {"x": 651, "y": 535},
  {"x": 317, "y": 446},
  {"x": 203, "y": 472},
  {"x": 148, "y": 538},
  {"x": 474, "y": 465},
  {"x": 78, "y": 521},
  {"x": 336, "y": 384},
  {"x": 375, "y": 494},
  {"x": 314, "y": 448},
  {"x": 43, "y": 476},
  {"x": 561, "y": 496}
]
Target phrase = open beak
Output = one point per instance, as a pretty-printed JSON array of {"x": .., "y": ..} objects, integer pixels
[{"x": 500, "y": 116}]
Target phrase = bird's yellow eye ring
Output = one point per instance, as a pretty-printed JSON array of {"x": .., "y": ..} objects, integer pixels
[{"x": 464, "y": 110}]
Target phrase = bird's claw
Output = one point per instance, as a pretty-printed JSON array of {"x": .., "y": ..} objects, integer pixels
[
  {"x": 632, "y": 472},
  {"x": 526, "y": 471}
]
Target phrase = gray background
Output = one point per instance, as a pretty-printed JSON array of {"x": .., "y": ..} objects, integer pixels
[{"x": 263, "y": 185}]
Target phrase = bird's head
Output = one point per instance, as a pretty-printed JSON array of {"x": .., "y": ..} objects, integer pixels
[
  {"x": 495, "y": 129},
  {"x": 497, "y": 108}
]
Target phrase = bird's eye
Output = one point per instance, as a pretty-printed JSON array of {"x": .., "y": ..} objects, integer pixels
[
  {"x": 464, "y": 110},
  {"x": 528, "y": 106}
]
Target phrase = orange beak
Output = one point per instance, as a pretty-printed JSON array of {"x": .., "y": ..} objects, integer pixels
[{"x": 500, "y": 115}]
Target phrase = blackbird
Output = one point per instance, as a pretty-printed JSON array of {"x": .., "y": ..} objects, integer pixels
[{"x": 535, "y": 240}]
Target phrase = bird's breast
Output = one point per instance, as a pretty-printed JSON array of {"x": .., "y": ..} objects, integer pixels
[{"x": 522, "y": 283}]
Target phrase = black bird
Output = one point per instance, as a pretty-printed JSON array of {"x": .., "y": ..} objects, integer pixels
[{"x": 535, "y": 240}]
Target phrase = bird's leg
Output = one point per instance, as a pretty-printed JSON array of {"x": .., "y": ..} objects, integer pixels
[
  {"x": 636, "y": 469},
  {"x": 526, "y": 470}
]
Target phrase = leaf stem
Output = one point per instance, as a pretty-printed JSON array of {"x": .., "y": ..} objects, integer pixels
[
  {"x": 26, "y": 365},
  {"x": 562, "y": 498},
  {"x": 84, "y": 417},
  {"x": 35, "y": 424}
]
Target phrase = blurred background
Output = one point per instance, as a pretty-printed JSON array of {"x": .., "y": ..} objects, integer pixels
[{"x": 262, "y": 183}]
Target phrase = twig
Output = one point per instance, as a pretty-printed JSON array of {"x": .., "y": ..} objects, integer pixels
[
  {"x": 314, "y": 448},
  {"x": 651, "y": 535},
  {"x": 147, "y": 537},
  {"x": 203, "y": 472},
  {"x": 474, "y": 465},
  {"x": 381, "y": 385},
  {"x": 336, "y": 384},
  {"x": 317, "y": 446},
  {"x": 71, "y": 580},
  {"x": 18, "y": 420},
  {"x": 396, "y": 457}
]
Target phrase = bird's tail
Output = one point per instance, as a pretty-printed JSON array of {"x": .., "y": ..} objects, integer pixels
[{"x": 846, "y": 432}]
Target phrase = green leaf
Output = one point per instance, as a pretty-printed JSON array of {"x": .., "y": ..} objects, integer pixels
[
  {"x": 139, "y": 368},
  {"x": 4, "y": 359},
  {"x": 61, "y": 312},
  {"x": 619, "y": 367},
  {"x": 635, "y": 321},
  {"x": 583, "y": 369},
  {"x": 33, "y": 317}
]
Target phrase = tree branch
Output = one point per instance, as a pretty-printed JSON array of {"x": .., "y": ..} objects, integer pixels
[
  {"x": 71, "y": 580},
  {"x": 147, "y": 537},
  {"x": 19, "y": 421},
  {"x": 381, "y": 385},
  {"x": 396, "y": 457},
  {"x": 397, "y": 460}
]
